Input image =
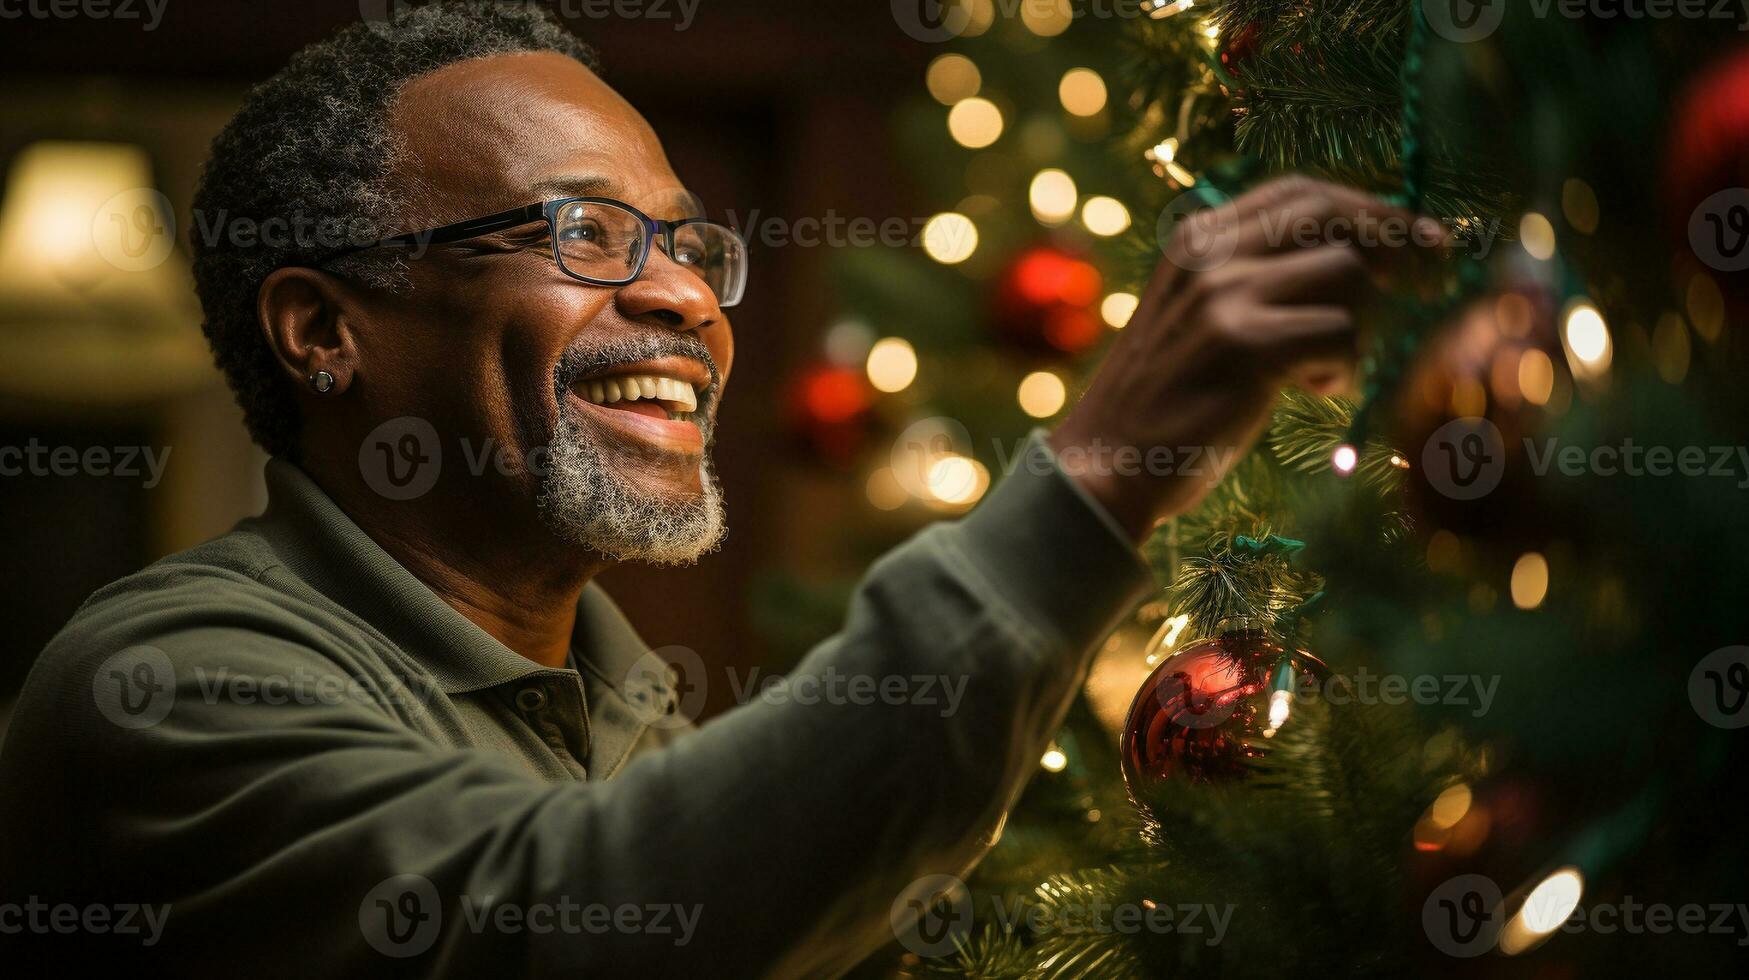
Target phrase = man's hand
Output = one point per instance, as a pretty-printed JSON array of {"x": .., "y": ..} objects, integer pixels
[{"x": 1211, "y": 343}]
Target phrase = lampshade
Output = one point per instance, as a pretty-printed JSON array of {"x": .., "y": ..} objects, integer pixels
[{"x": 96, "y": 300}]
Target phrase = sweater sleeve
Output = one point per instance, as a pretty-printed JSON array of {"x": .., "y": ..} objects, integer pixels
[{"x": 319, "y": 837}]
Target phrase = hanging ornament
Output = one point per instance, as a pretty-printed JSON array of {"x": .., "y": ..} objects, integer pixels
[
  {"x": 1211, "y": 706},
  {"x": 1238, "y": 46},
  {"x": 1706, "y": 172},
  {"x": 829, "y": 410},
  {"x": 1468, "y": 403},
  {"x": 1047, "y": 299}
]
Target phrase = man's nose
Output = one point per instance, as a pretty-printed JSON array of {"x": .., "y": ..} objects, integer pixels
[{"x": 669, "y": 294}]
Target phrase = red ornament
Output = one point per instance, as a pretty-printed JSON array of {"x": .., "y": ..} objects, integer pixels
[
  {"x": 1046, "y": 299},
  {"x": 829, "y": 408},
  {"x": 1707, "y": 173},
  {"x": 1205, "y": 710},
  {"x": 1239, "y": 47}
]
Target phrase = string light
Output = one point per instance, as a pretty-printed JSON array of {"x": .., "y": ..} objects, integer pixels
[
  {"x": 1105, "y": 216},
  {"x": 1587, "y": 339},
  {"x": 1344, "y": 459},
  {"x": 1547, "y": 909},
  {"x": 950, "y": 238},
  {"x": 1042, "y": 394},
  {"x": 1054, "y": 760},
  {"x": 1082, "y": 91},
  {"x": 1162, "y": 9},
  {"x": 892, "y": 364},
  {"x": 1117, "y": 309},
  {"x": 1053, "y": 196},
  {"x": 974, "y": 123}
]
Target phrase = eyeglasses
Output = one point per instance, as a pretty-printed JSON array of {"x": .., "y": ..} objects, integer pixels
[{"x": 604, "y": 242}]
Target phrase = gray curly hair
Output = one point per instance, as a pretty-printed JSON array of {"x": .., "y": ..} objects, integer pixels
[{"x": 310, "y": 151}]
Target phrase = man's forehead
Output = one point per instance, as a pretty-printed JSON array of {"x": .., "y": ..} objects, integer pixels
[{"x": 496, "y": 132}]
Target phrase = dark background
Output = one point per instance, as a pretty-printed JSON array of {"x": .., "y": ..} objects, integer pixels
[{"x": 767, "y": 105}]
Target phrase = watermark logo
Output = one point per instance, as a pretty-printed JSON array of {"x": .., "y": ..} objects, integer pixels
[
  {"x": 926, "y": 443},
  {"x": 1465, "y": 458},
  {"x": 135, "y": 688},
  {"x": 401, "y": 916},
  {"x": 1190, "y": 232},
  {"x": 401, "y": 458},
  {"x": 1718, "y": 688},
  {"x": 932, "y": 21},
  {"x": 932, "y": 914},
  {"x": 666, "y": 687},
  {"x": 1464, "y": 21},
  {"x": 1718, "y": 230},
  {"x": 134, "y": 231},
  {"x": 1462, "y": 917}
]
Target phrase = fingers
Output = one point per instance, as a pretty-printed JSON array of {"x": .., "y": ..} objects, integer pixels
[{"x": 1298, "y": 213}]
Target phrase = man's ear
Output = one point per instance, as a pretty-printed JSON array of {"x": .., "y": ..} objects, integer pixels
[{"x": 307, "y": 318}]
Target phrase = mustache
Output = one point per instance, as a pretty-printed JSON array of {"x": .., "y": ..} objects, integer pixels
[{"x": 581, "y": 362}]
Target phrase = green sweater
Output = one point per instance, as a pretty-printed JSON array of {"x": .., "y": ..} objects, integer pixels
[{"x": 280, "y": 754}]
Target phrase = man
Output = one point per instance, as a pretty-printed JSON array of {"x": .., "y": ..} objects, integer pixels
[{"x": 390, "y": 726}]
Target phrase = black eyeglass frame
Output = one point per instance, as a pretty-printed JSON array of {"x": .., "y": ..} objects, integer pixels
[{"x": 548, "y": 212}]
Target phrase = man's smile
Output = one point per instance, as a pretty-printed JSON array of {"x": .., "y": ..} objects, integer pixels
[{"x": 650, "y": 401}]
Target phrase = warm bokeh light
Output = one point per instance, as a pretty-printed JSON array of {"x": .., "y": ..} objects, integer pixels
[
  {"x": 974, "y": 123},
  {"x": 1042, "y": 394},
  {"x": 952, "y": 78},
  {"x": 1706, "y": 307},
  {"x": 1579, "y": 204},
  {"x": 1117, "y": 309},
  {"x": 1054, "y": 760},
  {"x": 1450, "y": 807},
  {"x": 1344, "y": 459},
  {"x": 957, "y": 481},
  {"x": 1587, "y": 339},
  {"x": 1671, "y": 349},
  {"x": 1047, "y": 18},
  {"x": 892, "y": 364},
  {"x": 1536, "y": 377},
  {"x": 1547, "y": 908},
  {"x": 1530, "y": 580},
  {"x": 1082, "y": 91},
  {"x": 885, "y": 491},
  {"x": 1105, "y": 216},
  {"x": 1052, "y": 196},
  {"x": 1537, "y": 236},
  {"x": 950, "y": 238}
]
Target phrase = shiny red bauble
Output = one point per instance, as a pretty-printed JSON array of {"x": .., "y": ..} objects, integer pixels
[{"x": 1204, "y": 711}]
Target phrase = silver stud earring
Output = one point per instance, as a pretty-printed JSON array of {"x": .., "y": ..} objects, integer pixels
[{"x": 322, "y": 381}]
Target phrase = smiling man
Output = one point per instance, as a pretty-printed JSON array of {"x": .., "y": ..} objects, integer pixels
[{"x": 391, "y": 727}]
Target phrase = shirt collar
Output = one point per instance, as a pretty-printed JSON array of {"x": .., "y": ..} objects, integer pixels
[{"x": 323, "y": 547}]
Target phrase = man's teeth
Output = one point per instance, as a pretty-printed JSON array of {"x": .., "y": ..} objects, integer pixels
[{"x": 674, "y": 394}]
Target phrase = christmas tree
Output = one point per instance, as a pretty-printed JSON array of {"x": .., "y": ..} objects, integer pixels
[{"x": 1442, "y": 677}]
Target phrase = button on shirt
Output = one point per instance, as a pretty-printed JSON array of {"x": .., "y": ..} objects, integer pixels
[{"x": 279, "y": 754}]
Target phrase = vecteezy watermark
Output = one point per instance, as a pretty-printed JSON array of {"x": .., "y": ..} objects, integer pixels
[
  {"x": 1718, "y": 687},
  {"x": 1463, "y": 916},
  {"x": 932, "y": 914},
  {"x": 1194, "y": 233},
  {"x": 151, "y": 12},
  {"x": 1100, "y": 458},
  {"x": 667, "y": 687},
  {"x": 830, "y": 230},
  {"x": 402, "y": 916},
  {"x": 1465, "y": 459},
  {"x": 137, "y": 687},
  {"x": 144, "y": 463},
  {"x": 1718, "y": 230},
  {"x": 1465, "y": 21},
  {"x": 382, "y": 14},
  {"x": 1468, "y": 916},
  {"x": 835, "y": 687},
  {"x": 42, "y": 918}
]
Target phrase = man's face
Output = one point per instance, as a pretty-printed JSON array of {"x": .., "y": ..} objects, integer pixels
[{"x": 493, "y": 340}]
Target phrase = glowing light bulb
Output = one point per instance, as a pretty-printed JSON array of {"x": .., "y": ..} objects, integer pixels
[
  {"x": 1279, "y": 708},
  {"x": 1054, "y": 760},
  {"x": 1344, "y": 459},
  {"x": 1547, "y": 909}
]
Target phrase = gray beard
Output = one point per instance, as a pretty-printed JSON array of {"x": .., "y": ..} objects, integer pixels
[{"x": 586, "y": 501}]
